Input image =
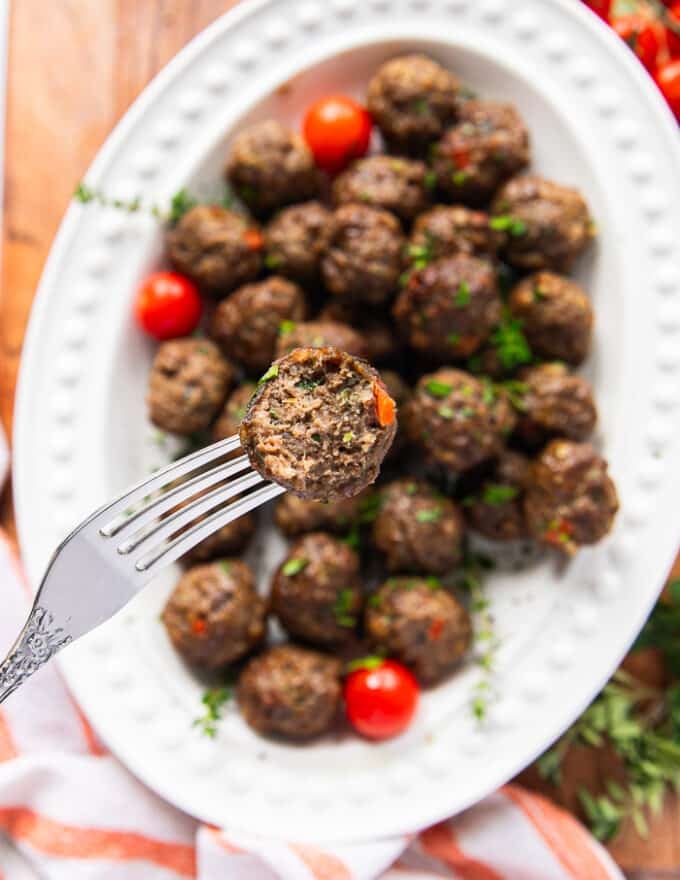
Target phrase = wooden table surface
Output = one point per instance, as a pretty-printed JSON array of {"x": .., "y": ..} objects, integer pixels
[{"x": 74, "y": 68}]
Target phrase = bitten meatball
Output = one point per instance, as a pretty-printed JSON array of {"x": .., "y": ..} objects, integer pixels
[
  {"x": 317, "y": 592},
  {"x": 554, "y": 403},
  {"x": 321, "y": 334},
  {"x": 229, "y": 420},
  {"x": 496, "y": 509},
  {"x": 320, "y": 423},
  {"x": 271, "y": 166},
  {"x": 419, "y": 623},
  {"x": 570, "y": 500},
  {"x": 217, "y": 248},
  {"x": 400, "y": 393},
  {"x": 487, "y": 145},
  {"x": 417, "y": 529},
  {"x": 246, "y": 323},
  {"x": 188, "y": 383},
  {"x": 214, "y": 615},
  {"x": 227, "y": 541},
  {"x": 548, "y": 225},
  {"x": 295, "y": 516},
  {"x": 290, "y": 692},
  {"x": 412, "y": 99},
  {"x": 389, "y": 182},
  {"x": 457, "y": 419},
  {"x": 362, "y": 254},
  {"x": 556, "y": 316},
  {"x": 293, "y": 240},
  {"x": 447, "y": 309},
  {"x": 446, "y": 230}
]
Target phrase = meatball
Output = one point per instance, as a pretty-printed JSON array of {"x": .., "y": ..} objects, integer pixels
[
  {"x": 271, "y": 166},
  {"x": 229, "y": 420},
  {"x": 446, "y": 230},
  {"x": 549, "y": 225},
  {"x": 227, "y": 541},
  {"x": 293, "y": 239},
  {"x": 457, "y": 419},
  {"x": 570, "y": 499},
  {"x": 412, "y": 99},
  {"x": 554, "y": 403},
  {"x": 320, "y": 423},
  {"x": 488, "y": 144},
  {"x": 290, "y": 692},
  {"x": 246, "y": 323},
  {"x": 362, "y": 253},
  {"x": 321, "y": 334},
  {"x": 418, "y": 529},
  {"x": 556, "y": 316},
  {"x": 214, "y": 615},
  {"x": 317, "y": 592},
  {"x": 400, "y": 393},
  {"x": 496, "y": 510},
  {"x": 377, "y": 331},
  {"x": 420, "y": 624},
  {"x": 188, "y": 383},
  {"x": 389, "y": 182},
  {"x": 295, "y": 516},
  {"x": 216, "y": 248},
  {"x": 449, "y": 307}
]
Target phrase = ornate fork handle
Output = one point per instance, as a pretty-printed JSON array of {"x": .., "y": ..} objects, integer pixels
[{"x": 39, "y": 640}]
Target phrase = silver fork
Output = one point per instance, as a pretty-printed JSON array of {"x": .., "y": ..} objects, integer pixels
[{"x": 112, "y": 554}]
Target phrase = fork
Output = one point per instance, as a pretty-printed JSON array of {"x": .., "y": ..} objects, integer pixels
[{"x": 113, "y": 553}]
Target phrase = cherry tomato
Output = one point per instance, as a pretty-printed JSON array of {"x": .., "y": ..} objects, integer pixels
[
  {"x": 168, "y": 305},
  {"x": 673, "y": 31},
  {"x": 645, "y": 37},
  {"x": 337, "y": 130},
  {"x": 600, "y": 7},
  {"x": 381, "y": 698},
  {"x": 668, "y": 80}
]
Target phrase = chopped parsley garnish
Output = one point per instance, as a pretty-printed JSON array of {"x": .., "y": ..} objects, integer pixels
[
  {"x": 411, "y": 488},
  {"x": 430, "y": 515},
  {"x": 438, "y": 389},
  {"x": 272, "y": 261},
  {"x": 180, "y": 204},
  {"x": 467, "y": 412},
  {"x": 538, "y": 294},
  {"x": 422, "y": 254},
  {"x": 316, "y": 438},
  {"x": 373, "y": 661},
  {"x": 497, "y": 493},
  {"x": 369, "y": 507},
  {"x": 225, "y": 566},
  {"x": 511, "y": 344},
  {"x": 348, "y": 436},
  {"x": 433, "y": 582},
  {"x": 516, "y": 392},
  {"x": 286, "y": 326},
  {"x": 462, "y": 296},
  {"x": 430, "y": 180},
  {"x": 374, "y": 600},
  {"x": 294, "y": 566},
  {"x": 271, "y": 373},
  {"x": 446, "y": 412},
  {"x": 420, "y": 106},
  {"x": 488, "y": 393},
  {"x": 308, "y": 384},
  {"x": 453, "y": 339},
  {"x": 214, "y": 701},
  {"x": 342, "y": 608},
  {"x": 273, "y": 415},
  {"x": 459, "y": 177},
  {"x": 85, "y": 194},
  {"x": 508, "y": 223}
]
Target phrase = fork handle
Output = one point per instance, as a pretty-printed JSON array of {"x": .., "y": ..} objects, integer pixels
[{"x": 39, "y": 640}]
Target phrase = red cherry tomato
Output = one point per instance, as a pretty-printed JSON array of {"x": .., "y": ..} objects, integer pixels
[
  {"x": 668, "y": 80},
  {"x": 381, "y": 698},
  {"x": 168, "y": 305},
  {"x": 645, "y": 37},
  {"x": 673, "y": 31},
  {"x": 337, "y": 130},
  {"x": 600, "y": 7}
]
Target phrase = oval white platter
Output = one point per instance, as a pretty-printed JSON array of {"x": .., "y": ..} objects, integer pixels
[{"x": 81, "y": 434}]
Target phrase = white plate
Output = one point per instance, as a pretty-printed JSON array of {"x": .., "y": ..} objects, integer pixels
[{"x": 597, "y": 123}]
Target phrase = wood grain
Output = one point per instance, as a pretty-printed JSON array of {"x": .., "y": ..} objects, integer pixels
[{"x": 75, "y": 66}]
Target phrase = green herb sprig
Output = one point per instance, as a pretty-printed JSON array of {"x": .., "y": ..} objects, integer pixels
[{"x": 214, "y": 701}]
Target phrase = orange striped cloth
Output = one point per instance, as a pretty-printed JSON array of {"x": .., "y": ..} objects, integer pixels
[{"x": 70, "y": 811}]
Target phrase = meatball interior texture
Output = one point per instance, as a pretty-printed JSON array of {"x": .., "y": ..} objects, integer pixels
[
  {"x": 214, "y": 615},
  {"x": 389, "y": 182},
  {"x": 246, "y": 323},
  {"x": 229, "y": 420},
  {"x": 457, "y": 419},
  {"x": 419, "y": 623},
  {"x": 554, "y": 403},
  {"x": 295, "y": 516},
  {"x": 317, "y": 590},
  {"x": 417, "y": 528},
  {"x": 571, "y": 499},
  {"x": 496, "y": 509},
  {"x": 188, "y": 383},
  {"x": 271, "y": 166},
  {"x": 293, "y": 240},
  {"x": 446, "y": 230},
  {"x": 556, "y": 315},
  {"x": 412, "y": 99},
  {"x": 449, "y": 307},
  {"x": 321, "y": 334},
  {"x": 217, "y": 248},
  {"x": 314, "y": 424},
  {"x": 290, "y": 692}
]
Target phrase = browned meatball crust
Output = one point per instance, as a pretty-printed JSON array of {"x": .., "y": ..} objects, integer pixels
[
  {"x": 362, "y": 254},
  {"x": 556, "y": 315},
  {"x": 188, "y": 383},
  {"x": 271, "y": 166},
  {"x": 488, "y": 144},
  {"x": 246, "y": 323},
  {"x": 214, "y": 615},
  {"x": 496, "y": 510},
  {"x": 229, "y": 420},
  {"x": 458, "y": 420},
  {"x": 389, "y": 182},
  {"x": 570, "y": 500},
  {"x": 412, "y": 99},
  {"x": 313, "y": 425},
  {"x": 377, "y": 330},
  {"x": 293, "y": 241},
  {"x": 446, "y": 230},
  {"x": 554, "y": 403},
  {"x": 417, "y": 529},
  {"x": 321, "y": 334},
  {"x": 400, "y": 393},
  {"x": 290, "y": 692},
  {"x": 317, "y": 591},
  {"x": 227, "y": 541},
  {"x": 420, "y": 624},
  {"x": 295, "y": 516},
  {"x": 448, "y": 308},
  {"x": 548, "y": 224}
]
